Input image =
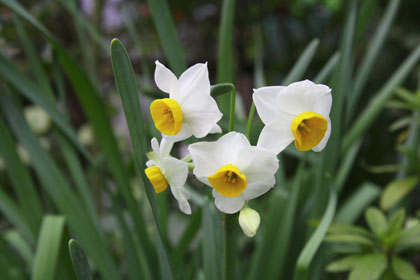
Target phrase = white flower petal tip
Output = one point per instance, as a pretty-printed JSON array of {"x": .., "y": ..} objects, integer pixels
[
  {"x": 249, "y": 220},
  {"x": 163, "y": 170},
  {"x": 234, "y": 169},
  {"x": 190, "y": 109},
  {"x": 297, "y": 113}
]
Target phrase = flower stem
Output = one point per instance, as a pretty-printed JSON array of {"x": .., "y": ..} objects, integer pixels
[
  {"x": 232, "y": 109},
  {"x": 229, "y": 243},
  {"x": 250, "y": 119}
]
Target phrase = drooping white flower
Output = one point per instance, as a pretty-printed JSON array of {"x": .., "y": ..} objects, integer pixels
[
  {"x": 163, "y": 170},
  {"x": 249, "y": 220},
  {"x": 189, "y": 110},
  {"x": 298, "y": 112},
  {"x": 235, "y": 170}
]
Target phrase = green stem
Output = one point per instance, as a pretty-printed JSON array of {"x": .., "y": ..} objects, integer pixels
[
  {"x": 229, "y": 261},
  {"x": 232, "y": 109},
  {"x": 250, "y": 119}
]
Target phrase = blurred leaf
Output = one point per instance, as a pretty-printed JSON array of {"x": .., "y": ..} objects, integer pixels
[
  {"x": 396, "y": 190},
  {"x": 349, "y": 238},
  {"x": 376, "y": 221},
  {"x": 344, "y": 264},
  {"x": 408, "y": 239},
  {"x": 225, "y": 56},
  {"x": 172, "y": 47},
  {"x": 300, "y": 66},
  {"x": 127, "y": 88},
  {"x": 396, "y": 221},
  {"x": 404, "y": 270},
  {"x": 349, "y": 229},
  {"x": 212, "y": 257},
  {"x": 14, "y": 238},
  {"x": 79, "y": 260},
  {"x": 48, "y": 248},
  {"x": 21, "y": 179},
  {"x": 220, "y": 89},
  {"x": 311, "y": 247},
  {"x": 370, "y": 267},
  {"x": 406, "y": 95},
  {"x": 328, "y": 69},
  {"x": 372, "y": 110},
  {"x": 354, "y": 206}
]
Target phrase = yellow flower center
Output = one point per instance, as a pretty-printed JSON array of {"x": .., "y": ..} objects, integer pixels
[
  {"x": 157, "y": 179},
  {"x": 308, "y": 128},
  {"x": 167, "y": 115},
  {"x": 228, "y": 181}
]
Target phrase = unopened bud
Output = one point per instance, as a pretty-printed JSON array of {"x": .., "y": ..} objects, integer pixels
[
  {"x": 39, "y": 121},
  {"x": 249, "y": 220}
]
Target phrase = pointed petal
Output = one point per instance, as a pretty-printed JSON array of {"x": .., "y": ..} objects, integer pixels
[
  {"x": 155, "y": 147},
  {"x": 201, "y": 114},
  {"x": 324, "y": 140},
  {"x": 195, "y": 80},
  {"x": 259, "y": 166},
  {"x": 265, "y": 102},
  {"x": 165, "y": 147},
  {"x": 216, "y": 129},
  {"x": 229, "y": 205},
  {"x": 175, "y": 171},
  {"x": 276, "y": 136},
  {"x": 183, "y": 203},
  {"x": 165, "y": 80},
  {"x": 300, "y": 97}
]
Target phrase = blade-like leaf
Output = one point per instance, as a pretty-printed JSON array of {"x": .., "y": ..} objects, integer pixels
[
  {"x": 404, "y": 270},
  {"x": 396, "y": 190},
  {"x": 344, "y": 264},
  {"x": 79, "y": 260},
  {"x": 376, "y": 221},
  {"x": 370, "y": 267}
]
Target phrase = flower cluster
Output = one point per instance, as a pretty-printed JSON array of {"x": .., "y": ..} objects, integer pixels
[{"x": 235, "y": 170}]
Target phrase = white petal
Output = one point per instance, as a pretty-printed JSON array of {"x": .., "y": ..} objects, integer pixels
[
  {"x": 165, "y": 80},
  {"x": 259, "y": 166},
  {"x": 276, "y": 136},
  {"x": 323, "y": 104},
  {"x": 165, "y": 147},
  {"x": 324, "y": 140},
  {"x": 195, "y": 80},
  {"x": 182, "y": 135},
  {"x": 201, "y": 114},
  {"x": 265, "y": 102},
  {"x": 216, "y": 129},
  {"x": 175, "y": 171},
  {"x": 180, "y": 196},
  {"x": 155, "y": 147},
  {"x": 151, "y": 163},
  {"x": 229, "y": 205},
  {"x": 300, "y": 97}
]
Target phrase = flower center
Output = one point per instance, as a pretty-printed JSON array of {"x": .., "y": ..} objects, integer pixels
[
  {"x": 228, "y": 181},
  {"x": 157, "y": 179},
  {"x": 308, "y": 128},
  {"x": 167, "y": 115}
]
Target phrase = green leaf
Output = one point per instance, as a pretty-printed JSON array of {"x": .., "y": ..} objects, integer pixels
[
  {"x": 349, "y": 229},
  {"x": 396, "y": 221},
  {"x": 127, "y": 88},
  {"x": 365, "y": 70},
  {"x": 220, "y": 89},
  {"x": 79, "y": 260},
  {"x": 48, "y": 248},
  {"x": 404, "y": 270},
  {"x": 370, "y": 267},
  {"x": 212, "y": 256},
  {"x": 14, "y": 238},
  {"x": 354, "y": 206},
  {"x": 349, "y": 238},
  {"x": 172, "y": 47},
  {"x": 328, "y": 69},
  {"x": 22, "y": 182},
  {"x": 299, "y": 68},
  {"x": 376, "y": 221},
  {"x": 311, "y": 247},
  {"x": 408, "y": 239},
  {"x": 375, "y": 106},
  {"x": 344, "y": 264},
  {"x": 396, "y": 190}
]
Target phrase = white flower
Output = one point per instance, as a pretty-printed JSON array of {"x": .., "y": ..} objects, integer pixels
[
  {"x": 235, "y": 170},
  {"x": 189, "y": 110},
  {"x": 249, "y": 220},
  {"x": 298, "y": 112},
  {"x": 163, "y": 169}
]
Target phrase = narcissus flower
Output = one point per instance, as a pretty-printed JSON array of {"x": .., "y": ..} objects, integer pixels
[
  {"x": 249, "y": 220},
  {"x": 298, "y": 112},
  {"x": 189, "y": 110},
  {"x": 235, "y": 170},
  {"x": 163, "y": 170}
]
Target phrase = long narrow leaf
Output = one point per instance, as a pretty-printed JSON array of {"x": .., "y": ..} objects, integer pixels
[{"x": 79, "y": 260}]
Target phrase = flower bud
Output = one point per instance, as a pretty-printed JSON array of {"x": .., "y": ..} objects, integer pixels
[
  {"x": 39, "y": 121},
  {"x": 249, "y": 220}
]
